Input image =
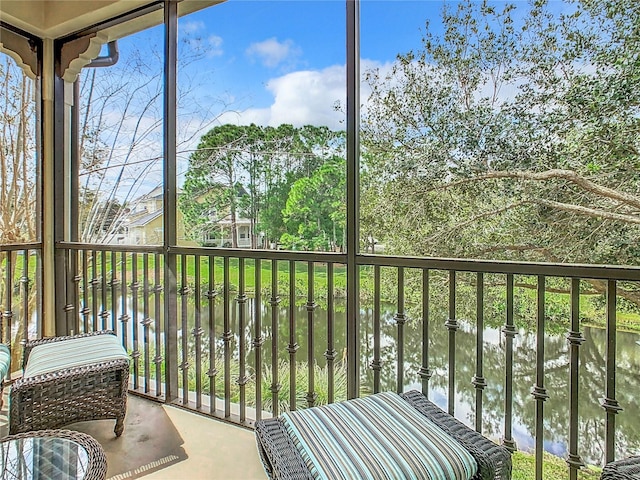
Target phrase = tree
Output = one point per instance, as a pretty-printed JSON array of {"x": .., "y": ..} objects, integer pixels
[
  {"x": 249, "y": 171},
  {"x": 213, "y": 186},
  {"x": 120, "y": 137},
  {"x": 315, "y": 212},
  {"x": 547, "y": 173},
  {"x": 17, "y": 155},
  {"x": 18, "y": 199}
]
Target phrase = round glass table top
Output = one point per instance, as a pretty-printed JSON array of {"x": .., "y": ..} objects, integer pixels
[{"x": 42, "y": 457}]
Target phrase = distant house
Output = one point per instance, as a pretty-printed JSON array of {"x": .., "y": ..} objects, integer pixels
[
  {"x": 220, "y": 234},
  {"x": 143, "y": 225}
]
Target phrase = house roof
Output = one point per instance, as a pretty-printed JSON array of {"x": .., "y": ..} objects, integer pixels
[{"x": 144, "y": 219}]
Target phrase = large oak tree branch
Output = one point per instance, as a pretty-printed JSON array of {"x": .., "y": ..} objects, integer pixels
[
  {"x": 572, "y": 177},
  {"x": 569, "y": 175},
  {"x": 590, "y": 212}
]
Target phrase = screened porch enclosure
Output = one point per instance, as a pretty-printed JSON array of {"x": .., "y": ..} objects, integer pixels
[{"x": 242, "y": 334}]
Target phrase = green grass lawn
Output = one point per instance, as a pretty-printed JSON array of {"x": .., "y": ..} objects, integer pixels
[{"x": 553, "y": 468}]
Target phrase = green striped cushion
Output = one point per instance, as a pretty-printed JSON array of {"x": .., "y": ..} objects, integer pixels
[
  {"x": 5, "y": 360},
  {"x": 75, "y": 352},
  {"x": 376, "y": 437}
]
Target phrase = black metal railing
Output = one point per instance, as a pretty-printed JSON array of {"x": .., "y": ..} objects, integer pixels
[
  {"x": 20, "y": 302},
  {"x": 258, "y": 332}
]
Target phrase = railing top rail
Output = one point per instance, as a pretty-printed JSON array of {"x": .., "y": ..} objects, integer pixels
[
  {"x": 322, "y": 257},
  {"x": 572, "y": 270},
  {"x": 105, "y": 247},
  {"x": 20, "y": 246}
]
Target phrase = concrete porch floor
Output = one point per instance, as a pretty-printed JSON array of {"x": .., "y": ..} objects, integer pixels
[{"x": 166, "y": 442}]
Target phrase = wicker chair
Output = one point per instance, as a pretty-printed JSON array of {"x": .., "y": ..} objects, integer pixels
[
  {"x": 624, "y": 469},
  {"x": 281, "y": 459},
  {"x": 70, "y": 379}
]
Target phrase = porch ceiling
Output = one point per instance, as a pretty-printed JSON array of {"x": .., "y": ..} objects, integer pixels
[{"x": 59, "y": 18}]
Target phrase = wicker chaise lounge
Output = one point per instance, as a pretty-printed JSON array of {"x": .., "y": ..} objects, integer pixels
[
  {"x": 280, "y": 447},
  {"x": 70, "y": 379}
]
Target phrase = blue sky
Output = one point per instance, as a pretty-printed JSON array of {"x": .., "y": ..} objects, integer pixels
[
  {"x": 281, "y": 61},
  {"x": 284, "y": 61}
]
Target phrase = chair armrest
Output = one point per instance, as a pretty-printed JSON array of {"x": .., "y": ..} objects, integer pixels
[
  {"x": 494, "y": 461},
  {"x": 624, "y": 469}
]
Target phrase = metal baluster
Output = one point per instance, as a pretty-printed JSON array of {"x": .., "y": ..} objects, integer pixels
[
  {"x": 135, "y": 286},
  {"x": 104, "y": 313},
  {"x": 115, "y": 281},
  {"x": 400, "y": 319},
  {"x": 7, "y": 315},
  {"x": 330, "y": 353},
  {"x": 452, "y": 326},
  {"x": 94, "y": 288},
  {"x": 24, "y": 281},
  {"x": 509, "y": 331},
  {"x": 479, "y": 381},
  {"x": 184, "y": 329},
  {"x": 609, "y": 402},
  {"x": 146, "y": 322},
  {"x": 197, "y": 334},
  {"x": 539, "y": 392},
  {"x": 293, "y": 345},
  {"x": 258, "y": 338},
  {"x": 227, "y": 335},
  {"x": 76, "y": 289},
  {"x": 124, "y": 318},
  {"x": 157, "y": 327},
  {"x": 242, "y": 378},
  {"x": 68, "y": 290},
  {"x": 213, "y": 371},
  {"x": 425, "y": 372},
  {"x": 274, "y": 302},
  {"x": 376, "y": 364},
  {"x": 69, "y": 307},
  {"x": 575, "y": 339},
  {"x": 85, "y": 290},
  {"x": 311, "y": 306}
]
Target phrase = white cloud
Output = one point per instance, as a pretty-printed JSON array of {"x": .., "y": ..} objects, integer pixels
[
  {"x": 214, "y": 46},
  {"x": 272, "y": 53},
  {"x": 210, "y": 46},
  {"x": 308, "y": 97},
  {"x": 305, "y": 97},
  {"x": 191, "y": 27}
]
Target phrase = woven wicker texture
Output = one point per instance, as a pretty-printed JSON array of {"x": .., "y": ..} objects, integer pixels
[
  {"x": 281, "y": 460},
  {"x": 96, "y": 465},
  {"x": 625, "y": 469},
  {"x": 279, "y": 456},
  {"x": 56, "y": 399},
  {"x": 494, "y": 461}
]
